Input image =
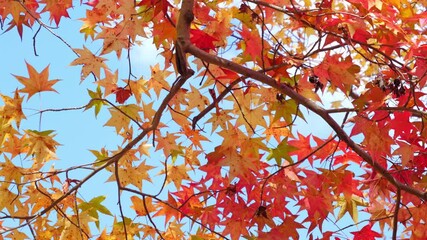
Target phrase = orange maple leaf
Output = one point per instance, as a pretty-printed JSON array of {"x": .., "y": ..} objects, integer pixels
[
  {"x": 36, "y": 82},
  {"x": 12, "y": 109},
  {"x": 90, "y": 62},
  {"x": 140, "y": 205},
  {"x": 176, "y": 174},
  {"x": 57, "y": 9}
]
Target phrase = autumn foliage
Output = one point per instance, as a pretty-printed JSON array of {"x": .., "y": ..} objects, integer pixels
[{"x": 209, "y": 144}]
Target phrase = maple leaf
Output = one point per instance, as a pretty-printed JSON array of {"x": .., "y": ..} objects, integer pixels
[
  {"x": 41, "y": 145},
  {"x": 159, "y": 6},
  {"x": 19, "y": 24},
  {"x": 285, "y": 110},
  {"x": 158, "y": 78},
  {"x": 10, "y": 171},
  {"x": 406, "y": 151},
  {"x": 235, "y": 227},
  {"x": 340, "y": 72},
  {"x": 176, "y": 174},
  {"x": 195, "y": 99},
  {"x": 16, "y": 234},
  {"x": 162, "y": 31},
  {"x": 14, "y": 145},
  {"x": 36, "y": 82},
  {"x": 318, "y": 206},
  {"x": 129, "y": 174},
  {"x": 122, "y": 94},
  {"x": 251, "y": 44},
  {"x": 88, "y": 30},
  {"x": 12, "y": 109},
  {"x": 139, "y": 205},
  {"x": 113, "y": 40},
  {"x": 302, "y": 146},
  {"x": 191, "y": 157},
  {"x": 134, "y": 27},
  {"x": 239, "y": 166},
  {"x": 90, "y": 62},
  {"x": 169, "y": 144},
  {"x": 174, "y": 231},
  {"x": 71, "y": 230},
  {"x": 366, "y": 233},
  {"x": 202, "y": 40},
  {"x": 194, "y": 136},
  {"x": 121, "y": 117},
  {"x": 144, "y": 149},
  {"x": 288, "y": 230},
  {"x": 138, "y": 88},
  {"x": 109, "y": 82},
  {"x": 93, "y": 207},
  {"x": 57, "y": 9},
  {"x": 167, "y": 210},
  {"x": 372, "y": 51},
  {"x": 282, "y": 152},
  {"x": 350, "y": 206},
  {"x": 95, "y": 103}
]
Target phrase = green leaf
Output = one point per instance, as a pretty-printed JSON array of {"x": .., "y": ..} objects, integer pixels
[
  {"x": 42, "y": 133},
  {"x": 286, "y": 110},
  {"x": 95, "y": 103},
  {"x": 281, "y": 152},
  {"x": 93, "y": 207},
  {"x": 100, "y": 156}
]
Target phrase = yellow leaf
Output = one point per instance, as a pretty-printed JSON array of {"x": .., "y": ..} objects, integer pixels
[
  {"x": 129, "y": 174},
  {"x": 121, "y": 119},
  {"x": 41, "y": 145},
  {"x": 158, "y": 79},
  {"x": 16, "y": 234},
  {"x": 36, "y": 82},
  {"x": 196, "y": 99},
  {"x": 13, "y": 145},
  {"x": 144, "y": 149},
  {"x": 10, "y": 172},
  {"x": 336, "y": 104},
  {"x": 72, "y": 230},
  {"x": 139, "y": 206},
  {"x": 12, "y": 109},
  {"x": 138, "y": 88},
  {"x": 7, "y": 198},
  {"x": 109, "y": 82},
  {"x": 113, "y": 40},
  {"x": 90, "y": 62},
  {"x": 176, "y": 174}
]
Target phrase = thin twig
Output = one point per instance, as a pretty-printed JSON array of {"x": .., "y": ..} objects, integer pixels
[
  {"x": 119, "y": 198},
  {"x": 396, "y": 214},
  {"x": 150, "y": 219}
]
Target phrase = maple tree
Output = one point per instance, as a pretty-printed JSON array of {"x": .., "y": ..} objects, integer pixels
[{"x": 209, "y": 144}]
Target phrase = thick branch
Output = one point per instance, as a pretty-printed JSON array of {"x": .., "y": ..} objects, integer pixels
[{"x": 415, "y": 112}]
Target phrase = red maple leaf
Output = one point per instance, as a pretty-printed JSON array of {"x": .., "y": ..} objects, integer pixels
[
  {"x": 159, "y": 6},
  {"x": 57, "y": 9},
  {"x": 202, "y": 40},
  {"x": 122, "y": 94},
  {"x": 366, "y": 233}
]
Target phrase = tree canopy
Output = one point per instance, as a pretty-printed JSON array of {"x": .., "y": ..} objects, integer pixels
[{"x": 209, "y": 144}]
